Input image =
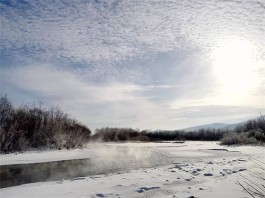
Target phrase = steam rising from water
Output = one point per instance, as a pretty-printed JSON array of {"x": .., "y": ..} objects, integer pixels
[{"x": 105, "y": 159}]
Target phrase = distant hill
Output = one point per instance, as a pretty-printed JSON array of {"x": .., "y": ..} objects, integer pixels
[
  {"x": 217, "y": 126},
  {"x": 208, "y": 126}
]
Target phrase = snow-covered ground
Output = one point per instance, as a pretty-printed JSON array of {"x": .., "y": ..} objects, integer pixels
[{"x": 199, "y": 169}]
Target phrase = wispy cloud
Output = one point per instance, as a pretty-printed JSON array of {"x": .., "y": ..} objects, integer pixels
[
  {"x": 113, "y": 104},
  {"x": 129, "y": 63},
  {"x": 57, "y": 83},
  {"x": 115, "y": 30}
]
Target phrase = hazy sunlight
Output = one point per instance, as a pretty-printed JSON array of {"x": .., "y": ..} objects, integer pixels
[{"x": 235, "y": 65}]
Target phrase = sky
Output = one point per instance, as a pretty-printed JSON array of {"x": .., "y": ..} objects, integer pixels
[{"x": 161, "y": 64}]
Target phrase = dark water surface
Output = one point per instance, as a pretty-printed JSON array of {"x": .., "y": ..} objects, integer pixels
[{"x": 17, "y": 174}]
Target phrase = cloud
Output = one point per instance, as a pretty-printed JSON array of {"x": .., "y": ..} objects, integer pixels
[
  {"x": 115, "y": 104},
  {"x": 57, "y": 83},
  {"x": 113, "y": 30},
  {"x": 129, "y": 63}
]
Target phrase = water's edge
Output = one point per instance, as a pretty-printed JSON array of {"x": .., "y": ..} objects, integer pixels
[{"x": 18, "y": 174}]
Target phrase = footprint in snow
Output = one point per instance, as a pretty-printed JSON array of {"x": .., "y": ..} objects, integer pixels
[
  {"x": 208, "y": 174},
  {"x": 100, "y": 195},
  {"x": 143, "y": 189}
]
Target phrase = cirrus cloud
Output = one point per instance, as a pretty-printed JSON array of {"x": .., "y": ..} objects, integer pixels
[{"x": 134, "y": 63}]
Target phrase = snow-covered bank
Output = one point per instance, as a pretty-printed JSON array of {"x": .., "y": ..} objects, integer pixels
[
  {"x": 99, "y": 150},
  {"x": 199, "y": 169}
]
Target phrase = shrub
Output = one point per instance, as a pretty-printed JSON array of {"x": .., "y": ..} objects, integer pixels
[
  {"x": 119, "y": 134},
  {"x": 34, "y": 127},
  {"x": 252, "y": 132},
  {"x": 238, "y": 138},
  {"x": 258, "y": 134}
]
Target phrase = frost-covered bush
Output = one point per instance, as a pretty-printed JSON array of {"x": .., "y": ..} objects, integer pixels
[
  {"x": 252, "y": 132},
  {"x": 34, "y": 127},
  {"x": 238, "y": 138}
]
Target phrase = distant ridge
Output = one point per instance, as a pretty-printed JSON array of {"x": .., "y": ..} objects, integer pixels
[
  {"x": 207, "y": 126},
  {"x": 218, "y": 126}
]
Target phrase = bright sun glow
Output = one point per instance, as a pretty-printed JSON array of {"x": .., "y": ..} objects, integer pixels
[{"x": 235, "y": 65}]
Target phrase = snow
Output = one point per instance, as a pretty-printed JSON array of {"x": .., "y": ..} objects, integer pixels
[
  {"x": 44, "y": 156},
  {"x": 199, "y": 169}
]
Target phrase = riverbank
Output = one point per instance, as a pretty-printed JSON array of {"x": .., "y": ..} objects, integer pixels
[{"x": 199, "y": 169}]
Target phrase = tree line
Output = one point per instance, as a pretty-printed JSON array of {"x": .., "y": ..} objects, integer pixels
[
  {"x": 251, "y": 132},
  {"x": 128, "y": 134},
  {"x": 34, "y": 127}
]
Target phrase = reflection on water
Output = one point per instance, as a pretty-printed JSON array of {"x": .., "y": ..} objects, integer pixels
[
  {"x": 12, "y": 175},
  {"x": 120, "y": 159}
]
